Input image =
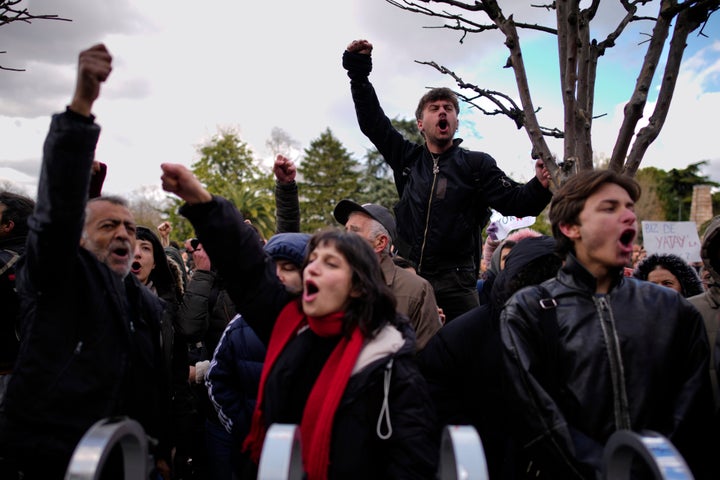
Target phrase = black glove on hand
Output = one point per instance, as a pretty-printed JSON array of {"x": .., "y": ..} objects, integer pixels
[{"x": 358, "y": 65}]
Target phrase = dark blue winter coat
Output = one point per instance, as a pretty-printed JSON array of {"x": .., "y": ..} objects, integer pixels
[{"x": 234, "y": 376}]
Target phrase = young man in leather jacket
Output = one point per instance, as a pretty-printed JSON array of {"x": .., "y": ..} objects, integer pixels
[{"x": 591, "y": 352}]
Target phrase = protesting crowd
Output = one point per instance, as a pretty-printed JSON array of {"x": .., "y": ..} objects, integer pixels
[{"x": 371, "y": 338}]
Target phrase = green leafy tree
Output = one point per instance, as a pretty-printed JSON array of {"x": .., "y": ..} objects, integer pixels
[
  {"x": 377, "y": 185},
  {"x": 228, "y": 168},
  {"x": 651, "y": 206},
  {"x": 181, "y": 227},
  {"x": 676, "y": 189},
  {"x": 377, "y": 181},
  {"x": 329, "y": 174},
  {"x": 716, "y": 202}
]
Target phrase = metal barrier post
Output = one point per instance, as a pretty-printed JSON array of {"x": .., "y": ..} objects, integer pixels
[
  {"x": 89, "y": 457},
  {"x": 281, "y": 457},
  {"x": 461, "y": 454},
  {"x": 657, "y": 452}
]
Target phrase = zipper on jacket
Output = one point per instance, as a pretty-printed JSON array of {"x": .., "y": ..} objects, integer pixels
[
  {"x": 436, "y": 170},
  {"x": 617, "y": 371}
]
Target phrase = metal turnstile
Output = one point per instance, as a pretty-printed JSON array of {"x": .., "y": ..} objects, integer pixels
[
  {"x": 461, "y": 454},
  {"x": 89, "y": 457},
  {"x": 281, "y": 457},
  {"x": 655, "y": 450}
]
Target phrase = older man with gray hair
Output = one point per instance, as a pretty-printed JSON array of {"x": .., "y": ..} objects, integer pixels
[
  {"x": 90, "y": 332},
  {"x": 415, "y": 296}
]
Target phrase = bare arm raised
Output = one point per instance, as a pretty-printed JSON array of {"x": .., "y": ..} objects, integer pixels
[{"x": 94, "y": 67}]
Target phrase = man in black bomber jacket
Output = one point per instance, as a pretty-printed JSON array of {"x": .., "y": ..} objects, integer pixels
[{"x": 445, "y": 191}]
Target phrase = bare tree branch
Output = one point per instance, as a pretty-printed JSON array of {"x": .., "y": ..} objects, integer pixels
[
  {"x": 9, "y": 13},
  {"x": 504, "y": 103},
  {"x": 688, "y": 20},
  {"x": 579, "y": 55},
  {"x": 470, "y": 26},
  {"x": 585, "y": 89}
]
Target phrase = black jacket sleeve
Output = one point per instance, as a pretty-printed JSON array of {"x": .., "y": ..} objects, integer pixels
[
  {"x": 376, "y": 126},
  {"x": 193, "y": 312},
  {"x": 287, "y": 207},
  {"x": 236, "y": 249},
  {"x": 57, "y": 223}
]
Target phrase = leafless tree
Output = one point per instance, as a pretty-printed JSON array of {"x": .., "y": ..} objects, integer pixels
[
  {"x": 12, "y": 11},
  {"x": 578, "y": 54},
  {"x": 281, "y": 143},
  {"x": 147, "y": 205}
]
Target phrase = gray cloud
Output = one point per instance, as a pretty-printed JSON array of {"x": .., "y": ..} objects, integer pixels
[
  {"x": 28, "y": 167},
  {"x": 255, "y": 65},
  {"x": 46, "y": 48}
]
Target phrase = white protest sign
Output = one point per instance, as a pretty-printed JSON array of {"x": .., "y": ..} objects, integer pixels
[
  {"x": 678, "y": 238},
  {"x": 505, "y": 225}
]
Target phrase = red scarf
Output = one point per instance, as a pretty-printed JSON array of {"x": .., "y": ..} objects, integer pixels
[{"x": 324, "y": 398}]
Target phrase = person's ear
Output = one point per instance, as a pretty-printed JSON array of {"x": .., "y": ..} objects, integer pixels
[
  {"x": 7, "y": 226},
  {"x": 571, "y": 231},
  {"x": 380, "y": 243}
]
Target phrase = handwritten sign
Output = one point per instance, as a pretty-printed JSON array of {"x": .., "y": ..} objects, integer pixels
[
  {"x": 508, "y": 224},
  {"x": 678, "y": 238}
]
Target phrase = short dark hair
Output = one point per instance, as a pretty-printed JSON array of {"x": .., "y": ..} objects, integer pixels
[
  {"x": 375, "y": 304},
  {"x": 17, "y": 210},
  {"x": 435, "y": 94},
  {"x": 569, "y": 200}
]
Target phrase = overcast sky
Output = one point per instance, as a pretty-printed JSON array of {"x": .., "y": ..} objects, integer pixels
[{"x": 182, "y": 70}]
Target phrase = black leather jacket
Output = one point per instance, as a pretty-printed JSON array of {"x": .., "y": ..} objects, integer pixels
[
  {"x": 443, "y": 205},
  {"x": 635, "y": 358},
  {"x": 90, "y": 342}
]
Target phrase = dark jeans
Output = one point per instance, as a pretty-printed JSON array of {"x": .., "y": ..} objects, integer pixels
[
  {"x": 219, "y": 445},
  {"x": 455, "y": 290}
]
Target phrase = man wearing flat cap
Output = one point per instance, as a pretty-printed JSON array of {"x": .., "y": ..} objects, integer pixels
[{"x": 414, "y": 294}]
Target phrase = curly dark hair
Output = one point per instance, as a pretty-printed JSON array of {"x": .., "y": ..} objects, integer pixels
[
  {"x": 434, "y": 95},
  {"x": 688, "y": 277}
]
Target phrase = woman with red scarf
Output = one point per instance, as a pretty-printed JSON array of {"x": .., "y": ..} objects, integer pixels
[{"x": 340, "y": 360}]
